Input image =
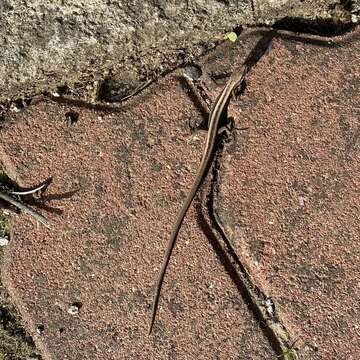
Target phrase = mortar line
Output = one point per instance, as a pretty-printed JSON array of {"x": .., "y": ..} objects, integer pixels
[{"x": 253, "y": 293}]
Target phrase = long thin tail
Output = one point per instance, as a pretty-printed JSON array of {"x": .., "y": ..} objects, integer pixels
[
  {"x": 214, "y": 118},
  {"x": 172, "y": 241},
  {"x": 169, "y": 250}
]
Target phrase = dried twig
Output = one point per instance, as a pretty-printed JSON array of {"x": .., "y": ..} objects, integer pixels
[{"x": 25, "y": 208}]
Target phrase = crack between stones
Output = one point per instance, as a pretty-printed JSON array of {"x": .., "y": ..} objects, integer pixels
[{"x": 254, "y": 297}]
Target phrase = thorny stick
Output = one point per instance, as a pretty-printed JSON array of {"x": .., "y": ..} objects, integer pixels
[{"x": 25, "y": 208}]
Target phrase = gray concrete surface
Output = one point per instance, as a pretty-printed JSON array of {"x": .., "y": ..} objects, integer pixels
[{"x": 46, "y": 44}]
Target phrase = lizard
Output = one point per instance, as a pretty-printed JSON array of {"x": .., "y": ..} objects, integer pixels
[{"x": 216, "y": 112}]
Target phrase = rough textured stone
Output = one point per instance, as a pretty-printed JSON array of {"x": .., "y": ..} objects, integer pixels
[
  {"x": 110, "y": 46},
  {"x": 289, "y": 195},
  {"x": 119, "y": 176},
  {"x": 288, "y": 201},
  {"x": 48, "y": 43},
  {"x": 270, "y": 11}
]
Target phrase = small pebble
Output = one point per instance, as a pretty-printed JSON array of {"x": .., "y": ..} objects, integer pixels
[
  {"x": 4, "y": 241},
  {"x": 40, "y": 329},
  {"x": 270, "y": 306},
  {"x": 301, "y": 201},
  {"x": 192, "y": 72},
  {"x": 151, "y": 142},
  {"x": 14, "y": 108},
  {"x": 73, "y": 310}
]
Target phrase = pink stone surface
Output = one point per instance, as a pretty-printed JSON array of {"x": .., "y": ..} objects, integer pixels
[
  {"x": 288, "y": 201},
  {"x": 290, "y": 191},
  {"x": 130, "y": 168}
]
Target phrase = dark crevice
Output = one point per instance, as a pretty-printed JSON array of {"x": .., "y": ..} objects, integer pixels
[
  {"x": 63, "y": 90},
  {"x": 347, "y": 5},
  {"x": 253, "y": 297},
  {"x": 110, "y": 87},
  {"x": 238, "y": 30},
  {"x": 5, "y": 181},
  {"x": 77, "y": 304},
  {"x": 260, "y": 48},
  {"x": 7, "y": 321},
  {"x": 321, "y": 27},
  {"x": 196, "y": 94},
  {"x": 72, "y": 117}
]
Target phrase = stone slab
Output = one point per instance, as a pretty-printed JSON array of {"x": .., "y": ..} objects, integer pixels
[
  {"x": 85, "y": 286},
  {"x": 288, "y": 201},
  {"x": 289, "y": 195},
  {"x": 104, "y": 48}
]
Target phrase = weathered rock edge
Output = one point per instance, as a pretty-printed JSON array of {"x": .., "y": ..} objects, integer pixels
[{"x": 46, "y": 44}]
